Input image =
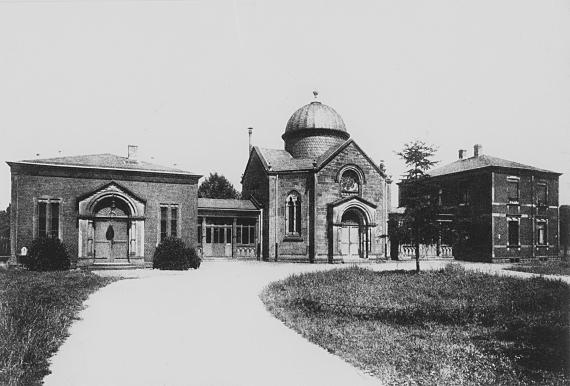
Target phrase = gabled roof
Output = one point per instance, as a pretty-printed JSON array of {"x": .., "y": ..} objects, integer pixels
[
  {"x": 104, "y": 161},
  {"x": 276, "y": 160},
  {"x": 349, "y": 198},
  {"x": 480, "y": 162},
  {"x": 227, "y": 204}
]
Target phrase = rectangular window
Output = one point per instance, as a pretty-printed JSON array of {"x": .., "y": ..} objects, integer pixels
[
  {"x": 163, "y": 222},
  {"x": 174, "y": 221},
  {"x": 199, "y": 233},
  {"x": 208, "y": 235},
  {"x": 541, "y": 238},
  {"x": 54, "y": 229},
  {"x": 541, "y": 195},
  {"x": 239, "y": 229},
  {"x": 464, "y": 193},
  {"x": 169, "y": 214},
  {"x": 251, "y": 234},
  {"x": 513, "y": 190},
  {"x": 48, "y": 218},
  {"x": 513, "y": 229},
  {"x": 42, "y": 219}
]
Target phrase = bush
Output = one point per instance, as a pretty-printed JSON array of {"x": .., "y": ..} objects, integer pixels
[
  {"x": 172, "y": 254},
  {"x": 47, "y": 254}
]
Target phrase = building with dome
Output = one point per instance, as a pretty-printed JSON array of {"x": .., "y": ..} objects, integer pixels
[{"x": 322, "y": 197}]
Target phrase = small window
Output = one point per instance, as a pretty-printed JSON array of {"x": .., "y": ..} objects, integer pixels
[
  {"x": 541, "y": 195},
  {"x": 48, "y": 218},
  {"x": 541, "y": 230},
  {"x": 349, "y": 182},
  {"x": 513, "y": 190},
  {"x": 293, "y": 214},
  {"x": 513, "y": 229},
  {"x": 464, "y": 193}
]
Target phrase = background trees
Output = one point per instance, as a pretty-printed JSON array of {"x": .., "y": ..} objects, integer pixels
[
  {"x": 419, "y": 196},
  {"x": 5, "y": 222},
  {"x": 217, "y": 186}
]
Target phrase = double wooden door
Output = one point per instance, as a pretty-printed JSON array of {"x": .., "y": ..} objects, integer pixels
[
  {"x": 351, "y": 244},
  {"x": 112, "y": 240}
]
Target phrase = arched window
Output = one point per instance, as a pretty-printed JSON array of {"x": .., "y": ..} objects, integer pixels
[
  {"x": 293, "y": 214},
  {"x": 349, "y": 182}
]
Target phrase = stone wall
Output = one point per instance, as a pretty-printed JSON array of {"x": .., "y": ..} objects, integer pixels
[{"x": 328, "y": 191}]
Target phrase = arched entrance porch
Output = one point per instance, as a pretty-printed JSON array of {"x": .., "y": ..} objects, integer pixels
[
  {"x": 111, "y": 227},
  {"x": 353, "y": 238}
]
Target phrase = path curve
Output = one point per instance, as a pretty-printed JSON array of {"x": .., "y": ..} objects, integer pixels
[{"x": 204, "y": 327}]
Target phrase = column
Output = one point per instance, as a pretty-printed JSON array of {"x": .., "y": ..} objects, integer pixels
[{"x": 234, "y": 249}]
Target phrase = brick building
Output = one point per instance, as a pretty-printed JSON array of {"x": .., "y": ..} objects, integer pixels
[
  {"x": 106, "y": 209},
  {"x": 322, "y": 198},
  {"x": 496, "y": 210}
]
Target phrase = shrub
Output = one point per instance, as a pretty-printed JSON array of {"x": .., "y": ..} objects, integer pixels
[
  {"x": 47, "y": 254},
  {"x": 172, "y": 254}
]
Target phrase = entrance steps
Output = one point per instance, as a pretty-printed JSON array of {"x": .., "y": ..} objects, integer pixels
[{"x": 116, "y": 266}]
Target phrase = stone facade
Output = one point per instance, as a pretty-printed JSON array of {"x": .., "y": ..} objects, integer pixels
[{"x": 335, "y": 219}]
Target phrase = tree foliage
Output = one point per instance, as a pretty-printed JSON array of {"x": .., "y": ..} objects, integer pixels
[
  {"x": 217, "y": 186},
  {"x": 5, "y": 222},
  {"x": 419, "y": 195}
]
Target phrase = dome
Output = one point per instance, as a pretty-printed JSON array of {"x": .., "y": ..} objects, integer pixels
[
  {"x": 315, "y": 115},
  {"x": 313, "y": 129}
]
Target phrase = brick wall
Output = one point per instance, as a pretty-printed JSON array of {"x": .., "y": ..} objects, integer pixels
[
  {"x": 528, "y": 211},
  {"x": 29, "y": 185}
]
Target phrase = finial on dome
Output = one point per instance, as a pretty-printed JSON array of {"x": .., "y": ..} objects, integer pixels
[{"x": 316, "y": 94}]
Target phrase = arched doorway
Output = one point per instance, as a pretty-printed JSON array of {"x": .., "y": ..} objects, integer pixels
[
  {"x": 111, "y": 226},
  {"x": 353, "y": 235}
]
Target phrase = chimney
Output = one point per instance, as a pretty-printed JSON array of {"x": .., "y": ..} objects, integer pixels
[
  {"x": 133, "y": 150},
  {"x": 250, "y": 131},
  {"x": 462, "y": 153},
  {"x": 477, "y": 150}
]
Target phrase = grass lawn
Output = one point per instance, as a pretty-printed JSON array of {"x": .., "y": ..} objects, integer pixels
[
  {"x": 549, "y": 267},
  {"x": 36, "y": 309},
  {"x": 439, "y": 327}
]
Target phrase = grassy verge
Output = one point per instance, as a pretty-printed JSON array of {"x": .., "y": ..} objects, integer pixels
[
  {"x": 36, "y": 309},
  {"x": 550, "y": 267},
  {"x": 442, "y": 327}
]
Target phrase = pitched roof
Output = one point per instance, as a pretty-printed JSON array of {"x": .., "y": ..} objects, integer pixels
[
  {"x": 222, "y": 203},
  {"x": 277, "y": 160},
  {"x": 482, "y": 161},
  {"x": 105, "y": 161}
]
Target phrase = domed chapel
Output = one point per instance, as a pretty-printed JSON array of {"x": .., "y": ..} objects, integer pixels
[{"x": 322, "y": 197}]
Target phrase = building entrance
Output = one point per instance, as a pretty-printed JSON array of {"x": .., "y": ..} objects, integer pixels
[{"x": 353, "y": 235}]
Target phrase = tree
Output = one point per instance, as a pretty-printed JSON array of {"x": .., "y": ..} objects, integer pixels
[
  {"x": 5, "y": 222},
  {"x": 419, "y": 195},
  {"x": 217, "y": 186}
]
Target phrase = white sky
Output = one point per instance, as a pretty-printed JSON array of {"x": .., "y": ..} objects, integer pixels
[{"x": 184, "y": 79}]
